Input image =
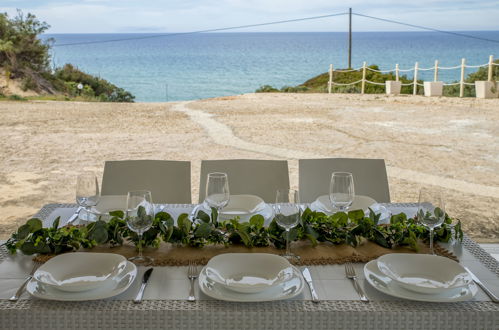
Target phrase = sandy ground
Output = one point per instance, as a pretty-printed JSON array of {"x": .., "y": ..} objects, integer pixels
[{"x": 447, "y": 142}]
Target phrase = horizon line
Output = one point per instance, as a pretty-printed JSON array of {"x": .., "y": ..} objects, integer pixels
[{"x": 226, "y": 32}]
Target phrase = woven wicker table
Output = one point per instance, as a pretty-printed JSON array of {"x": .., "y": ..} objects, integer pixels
[{"x": 165, "y": 307}]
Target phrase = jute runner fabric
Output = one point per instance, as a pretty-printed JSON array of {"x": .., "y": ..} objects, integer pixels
[{"x": 322, "y": 254}]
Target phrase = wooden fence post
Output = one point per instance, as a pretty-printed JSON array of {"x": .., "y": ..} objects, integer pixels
[
  {"x": 415, "y": 83},
  {"x": 330, "y": 83},
  {"x": 491, "y": 62},
  {"x": 461, "y": 83},
  {"x": 435, "y": 77},
  {"x": 363, "y": 78},
  {"x": 397, "y": 72}
]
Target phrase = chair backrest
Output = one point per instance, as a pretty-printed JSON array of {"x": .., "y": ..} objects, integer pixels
[
  {"x": 169, "y": 181},
  {"x": 369, "y": 176},
  {"x": 248, "y": 176}
]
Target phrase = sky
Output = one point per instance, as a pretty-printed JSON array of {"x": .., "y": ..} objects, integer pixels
[{"x": 156, "y": 16}]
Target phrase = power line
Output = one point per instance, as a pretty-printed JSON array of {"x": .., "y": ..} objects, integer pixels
[
  {"x": 200, "y": 31},
  {"x": 427, "y": 28},
  {"x": 277, "y": 22}
]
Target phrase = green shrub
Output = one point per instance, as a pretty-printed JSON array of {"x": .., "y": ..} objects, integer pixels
[
  {"x": 266, "y": 89},
  {"x": 469, "y": 90},
  {"x": 28, "y": 84},
  {"x": 93, "y": 86},
  {"x": 15, "y": 97},
  {"x": 296, "y": 89},
  {"x": 319, "y": 84}
]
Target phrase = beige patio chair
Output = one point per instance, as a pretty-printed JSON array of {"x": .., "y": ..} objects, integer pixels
[
  {"x": 369, "y": 176},
  {"x": 169, "y": 181},
  {"x": 248, "y": 176}
]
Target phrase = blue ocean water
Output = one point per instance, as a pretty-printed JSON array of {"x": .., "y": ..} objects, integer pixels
[{"x": 186, "y": 67}]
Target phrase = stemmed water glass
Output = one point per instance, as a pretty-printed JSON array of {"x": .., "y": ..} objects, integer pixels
[
  {"x": 431, "y": 210},
  {"x": 217, "y": 191},
  {"x": 87, "y": 193},
  {"x": 341, "y": 190},
  {"x": 139, "y": 218},
  {"x": 287, "y": 214}
]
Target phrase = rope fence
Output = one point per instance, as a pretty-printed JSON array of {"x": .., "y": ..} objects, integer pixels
[{"x": 415, "y": 71}]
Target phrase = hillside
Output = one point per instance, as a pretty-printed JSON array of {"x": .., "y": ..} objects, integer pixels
[
  {"x": 318, "y": 84},
  {"x": 25, "y": 70}
]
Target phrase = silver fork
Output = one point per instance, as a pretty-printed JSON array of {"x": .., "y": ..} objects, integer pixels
[
  {"x": 20, "y": 291},
  {"x": 192, "y": 274},
  {"x": 350, "y": 273}
]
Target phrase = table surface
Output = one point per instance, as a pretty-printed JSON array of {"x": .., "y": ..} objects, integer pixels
[{"x": 165, "y": 299}]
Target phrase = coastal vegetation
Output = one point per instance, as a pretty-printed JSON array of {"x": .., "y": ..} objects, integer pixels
[
  {"x": 318, "y": 84},
  {"x": 24, "y": 66}
]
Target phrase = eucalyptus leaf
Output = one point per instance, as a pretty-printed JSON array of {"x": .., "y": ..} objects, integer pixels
[
  {"x": 98, "y": 232},
  {"x": 163, "y": 216},
  {"x": 203, "y": 230},
  {"x": 186, "y": 226},
  {"x": 34, "y": 224},
  {"x": 203, "y": 216},
  {"x": 341, "y": 218},
  {"x": 356, "y": 214},
  {"x": 181, "y": 218},
  {"x": 141, "y": 212},
  {"x": 28, "y": 248},
  {"x": 214, "y": 215},
  {"x": 244, "y": 237},
  {"x": 55, "y": 225},
  {"x": 23, "y": 231},
  {"x": 119, "y": 214},
  {"x": 257, "y": 220}
]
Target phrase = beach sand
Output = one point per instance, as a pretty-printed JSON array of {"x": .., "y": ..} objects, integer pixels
[{"x": 447, "y": 142}]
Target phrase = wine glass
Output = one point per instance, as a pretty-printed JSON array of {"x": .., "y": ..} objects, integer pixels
[
  {"x": 87, "y": 194},
  {"x": 341, "y": 190},
  {"x": 431, "y": 210},
  {"x": 139, "y": 218},
  {"x": 287, "y": 214},
  {"x": 217, "y": 191}
]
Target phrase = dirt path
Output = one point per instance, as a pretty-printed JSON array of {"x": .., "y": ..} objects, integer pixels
[{"x": 222, "y": 134}]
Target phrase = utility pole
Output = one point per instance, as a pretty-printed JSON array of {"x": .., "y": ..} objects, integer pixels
[{"x": 350, "y": 38}]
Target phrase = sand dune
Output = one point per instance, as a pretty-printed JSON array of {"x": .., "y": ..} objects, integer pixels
[{"x": 448, "y": 142}]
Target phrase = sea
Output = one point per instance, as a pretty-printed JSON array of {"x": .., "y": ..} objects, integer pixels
[{"x": 173, "y": 67}]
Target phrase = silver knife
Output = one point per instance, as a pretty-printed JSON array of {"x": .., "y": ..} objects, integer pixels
[
  {"x": 74, "y": 216},
  {"x": 145, "y": 279},
  {"x": 484, "y": 288},
  {"x": 308, "y": 279}
]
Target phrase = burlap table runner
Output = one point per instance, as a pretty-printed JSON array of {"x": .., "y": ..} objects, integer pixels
[{"x": 322, "y": 254}]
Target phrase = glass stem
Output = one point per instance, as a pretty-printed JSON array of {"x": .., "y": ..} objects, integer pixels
[
  {"x": 431, "y": 241},
  {"x": 215, "y": 221},
  {"x": 140, "y": 245},
  {"x": 87, "y": 211},
  {"x": 288, "y": 252}
]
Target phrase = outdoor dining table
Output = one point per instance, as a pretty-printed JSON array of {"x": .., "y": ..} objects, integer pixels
[{"x": 165, "y": 302}]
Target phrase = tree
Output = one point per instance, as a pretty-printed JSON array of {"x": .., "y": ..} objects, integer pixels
[
  {"x": 20, "y": 49},
  {"x": 24, "y": 55}
]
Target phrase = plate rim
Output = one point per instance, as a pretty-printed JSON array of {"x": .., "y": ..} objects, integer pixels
[
  {"x": 94, "y": 285},
  {"x": 415, "y": 296},
  {"x": 319, "y": 205},
  {"x": 415, "y": 287},
  {"x": 33, "y": 283},
  {"x": 267, "y": 213},
  {"x": 270, "y": 298}
]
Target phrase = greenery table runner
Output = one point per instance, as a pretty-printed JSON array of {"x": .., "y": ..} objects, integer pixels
[{"x": 318, "y": 239}]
